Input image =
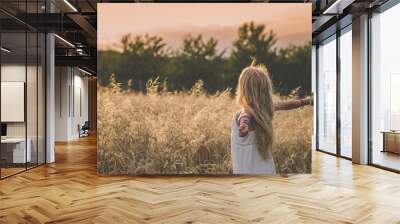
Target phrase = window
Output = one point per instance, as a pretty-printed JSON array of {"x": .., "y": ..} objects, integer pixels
[
  {"x": 385, "y": 89},
  {"x": 327, "y": 95},
  {"x": 346, "y": 92}
]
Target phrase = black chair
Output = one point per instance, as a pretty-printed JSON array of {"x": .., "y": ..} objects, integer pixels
[{"x": 84, "y": 130}]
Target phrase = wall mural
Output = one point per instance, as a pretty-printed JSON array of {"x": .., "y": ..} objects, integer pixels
[{"x": 204, "y": 88}]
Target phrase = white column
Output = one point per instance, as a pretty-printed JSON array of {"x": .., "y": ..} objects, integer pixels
[
  {"x": 50, "y": 94},
  {"x": 360, "y": 90}
]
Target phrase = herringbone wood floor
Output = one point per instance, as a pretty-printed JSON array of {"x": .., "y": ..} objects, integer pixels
[{"x": 70, "y": 191}]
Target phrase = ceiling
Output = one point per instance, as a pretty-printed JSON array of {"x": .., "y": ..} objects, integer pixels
[
  {"x": 74, "y": 22},
  {"x": 331, "y": 15}
]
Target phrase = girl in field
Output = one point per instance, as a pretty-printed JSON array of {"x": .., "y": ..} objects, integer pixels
[{"x": 252, "y": 131}]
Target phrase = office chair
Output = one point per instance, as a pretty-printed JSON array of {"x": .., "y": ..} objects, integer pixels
[{"x": 84, "y": 130}]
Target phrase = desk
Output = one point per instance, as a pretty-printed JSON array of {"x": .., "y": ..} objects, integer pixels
[
  {"x": 13, "y": 150},
  {"x": 391, "y": 141}
]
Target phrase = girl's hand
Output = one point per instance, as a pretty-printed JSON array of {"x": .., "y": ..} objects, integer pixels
[
  {"x": 293, "y": 104},
  {"x": 243, "y": 129}
]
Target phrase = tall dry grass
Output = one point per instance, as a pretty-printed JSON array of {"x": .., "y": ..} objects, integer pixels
[{"x": 186, "y": 132}]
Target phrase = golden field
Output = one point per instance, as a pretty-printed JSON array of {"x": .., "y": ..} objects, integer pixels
[{"x": 186, "y": 132}]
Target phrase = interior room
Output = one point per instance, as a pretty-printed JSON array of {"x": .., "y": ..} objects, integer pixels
[
  {"x": 22, "y": 102},
  {"x": 49, "y": 126},
  {"x": 71, "y": 103},
  {"x": 25, "y": 68}
]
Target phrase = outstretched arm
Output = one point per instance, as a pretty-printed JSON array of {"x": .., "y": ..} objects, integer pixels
[{"x": 292, "y": 104}]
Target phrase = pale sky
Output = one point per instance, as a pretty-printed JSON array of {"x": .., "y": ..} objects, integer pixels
[{"x": 290, "y": 21}]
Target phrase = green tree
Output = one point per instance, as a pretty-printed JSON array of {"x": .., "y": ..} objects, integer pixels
[
  {"x": 294, "y": 69},
  {"x": 253, "y": 42},
  {"x": 146, "y": 57},
  {"x": 107, "y": 64},
  {"x": 142, "y": 58},
  {"x": 198, "y": 59}
]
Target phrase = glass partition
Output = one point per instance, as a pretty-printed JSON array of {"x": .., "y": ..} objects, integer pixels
[
  {"x": 13, "y": 103},
  {"x": 327, "y": 95},
  {"x": 22, "y": 88}
]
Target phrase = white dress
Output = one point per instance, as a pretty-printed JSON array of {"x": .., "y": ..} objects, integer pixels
[{"x": 245, "y": 156}]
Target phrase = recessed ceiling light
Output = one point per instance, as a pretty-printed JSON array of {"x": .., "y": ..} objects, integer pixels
[
  {"x": 70, "y": 5},
  {"x": 64, "y": 40},
  {"x": 337, "y": 7},
  {"x": 5, "y": 50},
  {"x": 84, "y": 71}
]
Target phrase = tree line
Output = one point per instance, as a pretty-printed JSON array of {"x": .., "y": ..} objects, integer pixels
[{"x": 146, "y": 57}]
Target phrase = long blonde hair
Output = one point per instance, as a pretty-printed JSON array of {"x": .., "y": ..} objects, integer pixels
[{"x": 254, "y": 91}]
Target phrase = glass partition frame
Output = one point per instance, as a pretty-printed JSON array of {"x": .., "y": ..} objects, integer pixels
[{"x": 30, "y": 55}]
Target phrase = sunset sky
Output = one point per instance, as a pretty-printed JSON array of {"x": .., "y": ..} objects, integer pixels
[{"x": 291, "y": 22}]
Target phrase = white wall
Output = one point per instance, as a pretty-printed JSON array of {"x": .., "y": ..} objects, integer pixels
[
  {"x": 14, "y": 72},
  {"x": 70, "y": 83},
  {"x": 79, "y": 117},
  {"x": 62, "y": 82},
  {"x": 33, "y": 126},
  {"x": 17, "y": 72}
]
